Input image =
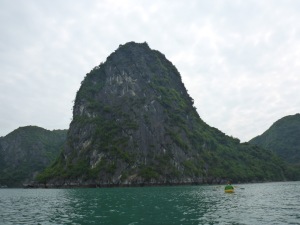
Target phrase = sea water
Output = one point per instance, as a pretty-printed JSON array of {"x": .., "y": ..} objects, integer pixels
[{"x": 263, "y": 203}]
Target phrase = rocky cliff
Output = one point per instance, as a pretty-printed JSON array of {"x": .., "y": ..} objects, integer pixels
[
  {"x": 134, "y": 124},
  {"x": 27, "y": 151}
]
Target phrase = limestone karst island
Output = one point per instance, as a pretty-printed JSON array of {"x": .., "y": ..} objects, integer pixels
[{"x": 134, "y": 124}]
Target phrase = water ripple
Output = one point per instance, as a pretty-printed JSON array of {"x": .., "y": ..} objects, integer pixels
[{"x": 269, "y": 203}]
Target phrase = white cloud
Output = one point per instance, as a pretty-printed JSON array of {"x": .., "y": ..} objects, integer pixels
[{"x": 238, "y": 59}]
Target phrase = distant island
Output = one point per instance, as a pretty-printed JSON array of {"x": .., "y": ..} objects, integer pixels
[
  {"x": 282, "y": 138},
  {"x": 27, "y": 151}
]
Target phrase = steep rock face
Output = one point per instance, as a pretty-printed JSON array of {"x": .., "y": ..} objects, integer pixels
[
  {"x": 134, "y": 123},
  {"x": 283, "y": 138},
  {"x": 26, "y": 151},
  {"x": 136, "y": 112}
]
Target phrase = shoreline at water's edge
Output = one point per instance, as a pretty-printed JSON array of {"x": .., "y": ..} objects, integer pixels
[{"x": 67, "y": 186}]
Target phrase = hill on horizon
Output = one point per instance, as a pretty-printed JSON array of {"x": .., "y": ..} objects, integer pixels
[
  {"x": 27, "y": 151},
  {"x": 282, "y": 138}
]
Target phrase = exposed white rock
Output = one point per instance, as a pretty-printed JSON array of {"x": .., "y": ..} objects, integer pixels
[{"x": 96, "y": 155}]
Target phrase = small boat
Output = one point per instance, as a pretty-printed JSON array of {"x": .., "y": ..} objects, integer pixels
[{"x": 229, "y": 188}]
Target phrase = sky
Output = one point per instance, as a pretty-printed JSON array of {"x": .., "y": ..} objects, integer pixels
[{"x": 238, "y": 59}]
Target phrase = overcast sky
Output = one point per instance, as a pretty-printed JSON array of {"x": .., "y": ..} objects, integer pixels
[{"x": 239, "y": 59}]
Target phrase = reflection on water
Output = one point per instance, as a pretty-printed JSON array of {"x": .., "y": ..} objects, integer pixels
[{"x": 269, "y": 203}]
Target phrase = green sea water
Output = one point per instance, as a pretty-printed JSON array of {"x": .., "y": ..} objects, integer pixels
[{"x": 264, "y": 203}]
